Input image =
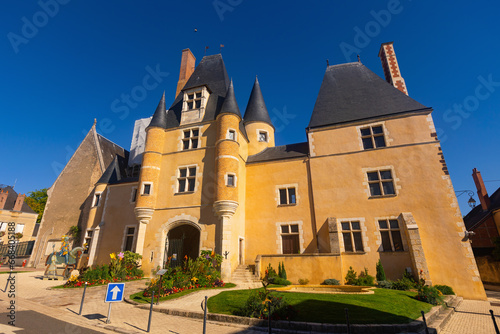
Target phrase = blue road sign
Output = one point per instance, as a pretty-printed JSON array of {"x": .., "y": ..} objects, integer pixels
[{"x": 114, "y": 293}]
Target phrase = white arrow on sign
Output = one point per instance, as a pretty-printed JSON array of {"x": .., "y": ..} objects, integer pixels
[{"x": 115, "y": 291}]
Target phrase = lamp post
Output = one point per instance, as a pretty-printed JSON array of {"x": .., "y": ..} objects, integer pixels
[{"x": 471, "y": 201}]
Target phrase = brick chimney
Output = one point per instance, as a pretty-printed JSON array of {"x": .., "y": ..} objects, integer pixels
[
  {"x": 187, "y": 68},
  {"x": 19, "y": 202},
  {"x": 481, "y": 189},
  {"x": 3, "y": 198},
  {"x": 391, "y": 67}
]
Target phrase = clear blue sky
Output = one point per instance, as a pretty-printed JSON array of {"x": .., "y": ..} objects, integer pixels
[{"x": 61, "y": 70}]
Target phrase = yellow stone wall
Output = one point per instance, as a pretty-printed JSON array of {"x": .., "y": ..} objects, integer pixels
[{"x": 252, "y": 130}]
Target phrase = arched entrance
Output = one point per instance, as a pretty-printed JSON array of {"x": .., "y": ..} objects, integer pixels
[{"x": 183, "y": 240}]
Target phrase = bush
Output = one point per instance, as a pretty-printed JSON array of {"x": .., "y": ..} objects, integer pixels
[
  {"x": 257, "y": 306},
  {"x": 331, "y": 281},
  {"x": 387, "y": 284},
  {"x": 430, "y": 295},
  {"x": 282, "y": 271},
  {"x": 303, "y": 281},
  {"x": 350, "y": 277},
  {"x": 445, "y": 289},
  {"x": 364, "y": 279},
  {"x": 279, "y": 281},
  {"x": 380, "y": 272},
  {"x": 403, "y": 284}
]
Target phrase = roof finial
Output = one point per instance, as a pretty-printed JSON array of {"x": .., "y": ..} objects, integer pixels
[
  {"x": 327, "y": 63},
  {"x": 206, "y": 48},
  {"x": 95, "y": 121},
  {"x": 359, "y": 59}
]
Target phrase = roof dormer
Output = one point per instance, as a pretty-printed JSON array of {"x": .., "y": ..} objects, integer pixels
[{"x": 194, "y": 103}]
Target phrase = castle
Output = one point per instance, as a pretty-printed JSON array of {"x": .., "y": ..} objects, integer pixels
[{"x": 370, "y": 184}]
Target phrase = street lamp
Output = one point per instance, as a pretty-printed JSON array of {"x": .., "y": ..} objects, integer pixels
[{"x": 471, "y": 201}]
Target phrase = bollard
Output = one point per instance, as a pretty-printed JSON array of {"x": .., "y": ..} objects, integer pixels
[
  {"x": 159, "y": 290},
  {"x": 151, "y": 310},
  {"x": 269, "y": 319},
  {"x": 425, "y": 322},
  {"x": 347, "y": 320},
  {"x": 83, "y": 297},
  {"x": 204, "y": 315},
  {"x": 494, "y": 322}
]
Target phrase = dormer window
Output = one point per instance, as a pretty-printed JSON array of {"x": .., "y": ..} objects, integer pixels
[
  {"x": 194, "y": 105},
  {"x": 194, "y": 100}
]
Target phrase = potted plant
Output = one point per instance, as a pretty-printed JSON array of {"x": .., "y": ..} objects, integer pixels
[{"x": 18, "y": 235}]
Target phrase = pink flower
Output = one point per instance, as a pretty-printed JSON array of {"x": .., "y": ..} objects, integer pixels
[{"x": 120, "y": 255}]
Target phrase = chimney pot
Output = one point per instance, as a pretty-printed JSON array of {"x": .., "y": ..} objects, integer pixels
[
  {"x": 481, "y": 189},
  {"x": 391, "y": 67},
  {"x": 188, "y": 62}
]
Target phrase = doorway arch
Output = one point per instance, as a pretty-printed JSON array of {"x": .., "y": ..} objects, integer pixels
[{"x": 182, "y": 240}]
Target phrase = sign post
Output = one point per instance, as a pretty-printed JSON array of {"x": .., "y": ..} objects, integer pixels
[
  {"x": 114, "y": 293},
  {"x": 161, "y": 273}
]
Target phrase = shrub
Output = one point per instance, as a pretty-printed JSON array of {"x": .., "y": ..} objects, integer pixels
[
  {"x": 364, "y": 278},
  {"x": 445, "y": 289},
  {"x": 430, "y": 295},
  {"x": 350, "y": 277},
  {"x": 403, "y": 284},
  {"x": 282, "y": 272},
  {"x": 385, "y": 284},
  {"x": 331, "y": 281},
  {"x": 279, "y": 281},
  {"x": 380, "y": 272},
  {"x": 257, "y": 306},
  {"x": 303, "y": 281}
]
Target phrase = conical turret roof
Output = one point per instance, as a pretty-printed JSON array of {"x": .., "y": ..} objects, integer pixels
[
  {"x": 160, "y": 116},
  {"x": 230, "y": 106},
  {"x": 256, "y": 108}
]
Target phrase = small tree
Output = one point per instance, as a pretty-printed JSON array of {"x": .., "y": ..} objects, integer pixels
[
  {"x": 283, "y": 271},
  {"x": 380, "y": 272},
  {"x": 351, "y": 277},
  {"x": 280, "y": 271}
]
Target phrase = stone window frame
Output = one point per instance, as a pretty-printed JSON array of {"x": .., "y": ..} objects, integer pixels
[
  {"x": 279, "y": 241},
  {"x": 86, "y": 250},
  {"x": 387, "y": 138},
  {"x": 125, "y": 235},
  {"x": 19, "y": 228},
  {"x": 187, "y": 177},
  {"x": 395, "y": 181},
  {"x": 234, "y": 132},
  {"x": 364, "y": 235},
  {"x": 97, "y": 200},
  {"x": 203, "y": 98},
  {"x": 143, "y": 188},
  {"x": 262, "y": 131},
  {"x": 378, "y": 235},
  {"x": 287, "y": 186},
  {"x": 133, "y": 195},
  {"x": 190, "y": 139},
  {"x": 226, "y": 180}
]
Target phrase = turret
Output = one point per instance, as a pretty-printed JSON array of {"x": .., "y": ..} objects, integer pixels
[{"x": 258, "y": 125}]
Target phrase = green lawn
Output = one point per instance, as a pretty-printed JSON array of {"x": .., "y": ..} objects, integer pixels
[
  {"x": 139, "y": 298},
  {"x": 383, "y": 307}
]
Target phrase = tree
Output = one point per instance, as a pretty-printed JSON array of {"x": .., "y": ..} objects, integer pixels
[{"x": 36, "y": 201}]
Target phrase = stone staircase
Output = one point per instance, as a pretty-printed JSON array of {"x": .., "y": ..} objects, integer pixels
[{"x": 242, "y": 275}]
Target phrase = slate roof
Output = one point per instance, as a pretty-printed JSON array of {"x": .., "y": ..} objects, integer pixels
[
  {"x": 117, "y": 172},
  {"x": 281, "y": 152},
  {"x": 109, "y": 150},
  {"x": 351, "y": 92},
  {"x": 11, "y": 201},
  {"x": 476, "y": 216},
  {"x": 256, "y": 108},
  {"x": 230, "y": 105},
  {"x": 210, "y": 72},
  {"x": 160, "y": 116}
]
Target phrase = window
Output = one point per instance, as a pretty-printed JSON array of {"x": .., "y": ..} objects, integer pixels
[
  {"x": 263, "y": 136},
  {"x": 351, "y": 233},
  {"x": 193, "y": 100},
  {"x": 186, "y": 179},
  {"x": 231, "y": 180},
  {"x": 190, "y": 139},
  {"x": 88, "y": 241},
  {"x": 372, "y": 137},
  {"x": 129, "y": 238},
  {"x": 381, "y": 183},
  {"x": 133, "y": 197},
  {"x": 290, "y": 239},
  {"x": 97, "y": 198},
  {"x": 147, "y": 189},
  {"x": 391, "y": 235},
  {"x": 3, "y": 227},
  {"x": 19, "y": 228},
  {"x": 287, "y": 196},
  {"x": 231, "y": 135}
]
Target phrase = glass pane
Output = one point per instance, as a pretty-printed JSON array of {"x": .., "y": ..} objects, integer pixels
[
  {"x": 365, "y": 132},
  {"x": 182, "y": 172},
  {"x": 294, "y": 228},
  {"x": 190, "y": 96},
  {"x": 190, "y": 105},
  {"x": 262, "y": 136},
  {"x": 372, "y": 176},
  {"x": 131, "y": 230},
  {"x": 231, "y": 135},
  {"x": 230, "y": 180},
  {"x": 196, "y": 132},
  {"x": 194, "y": 143},
  {"x": 382, "y": 223},
  {"x": 386, "y": 241},
  {"x": 377, "y": 129},
  {"x": 291, "y": 195},
  {"x": 197, "y": 104},
  {"x": 396, "y": 239},
  {"x": 192, "y": 171},
  {"x": 394, "y": 223},
  {"x": 198, "y": 95},
  {"x": 128, "y": 243},
  {"x": 89, "y": 233},
  {"x": 185, "y": 144},
  {"x": 358, "y": 242},
  {"x": 147, "y": 189},
  {"x": 134, "y": 196},
  {"x": 191, "y": 183},
  {"x": 367, "y": 143},
  {"x": 346, "y": 226},
  {"x": 283, "y": 196},
  {"x": 375, "y": 189},
  {"x": 355, "y": 226},
  {"x": 385, "y": 174},
  {"x": 388, "y": 188},
  {"x": 182, "y": 185},
  {"x": 284, "y": 228},
  {"x": 186, "y": 134},
  {"x": 347, "y": 242},
  {"x": 379, "y": 141}
]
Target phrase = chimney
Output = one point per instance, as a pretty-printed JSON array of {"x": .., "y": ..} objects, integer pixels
[
  {"x": 391, "y": 67},
  {"x": 19, "y": 202},
  {"x": 3, "y": 198},
  {"x": 187, "y": 68},
  {"x": 481, "y": 189}
]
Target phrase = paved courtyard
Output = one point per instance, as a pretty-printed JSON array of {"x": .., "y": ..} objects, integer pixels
[{"x": 56, "y": 311}]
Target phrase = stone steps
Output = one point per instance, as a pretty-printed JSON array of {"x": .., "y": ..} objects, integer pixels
[{"x": 242, "y": 274}]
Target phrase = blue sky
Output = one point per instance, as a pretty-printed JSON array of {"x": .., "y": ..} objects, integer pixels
[{"x": 66, "y": 62}]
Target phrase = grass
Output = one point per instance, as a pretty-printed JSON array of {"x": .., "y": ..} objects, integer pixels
[
  {"x": 14, "y": 272},
  {"x": 139, "y": 298},
  {"x": 383, "y": 307}
]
